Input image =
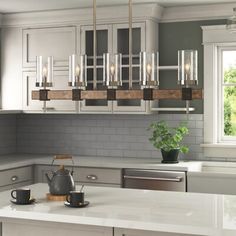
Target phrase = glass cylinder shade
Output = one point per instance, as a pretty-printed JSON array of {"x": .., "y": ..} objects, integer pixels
[
  {"x": 112, "y": 72},
  {"x": 149, "y": 72},
  {"x": 188, "y": 67},
  {"x": 78, "y": 71},
  {"x": 44, "y": 72}
]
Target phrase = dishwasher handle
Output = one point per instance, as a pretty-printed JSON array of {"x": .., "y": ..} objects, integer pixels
[{"x": 176, "y": 179}]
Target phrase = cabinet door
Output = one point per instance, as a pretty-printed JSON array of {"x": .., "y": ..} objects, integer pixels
[
  {"x": 16, "y": 175},
  {"x": 217, "y": 183},
  {"x": 51, "y": 228},
  {"x": 98, "y": 175},
  {"x": 60, "y": 83},
  {"x": 59, "y": 42},
  {"x": 132, "y": 232},
  {"x": 104, "y": 45},
  {"x": 121, "y": 45},
  {"x": 83, "y": 175}
]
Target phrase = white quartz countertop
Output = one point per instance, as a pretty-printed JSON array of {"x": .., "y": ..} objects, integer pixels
[
  {"x": 13, "y": 161},
  {"x": 176, "y": 212}
]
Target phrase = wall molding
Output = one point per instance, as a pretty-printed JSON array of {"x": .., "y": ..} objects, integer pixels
[{"x": 195, "y": 13}]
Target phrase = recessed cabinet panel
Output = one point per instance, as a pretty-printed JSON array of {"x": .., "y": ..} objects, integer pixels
[
  {"x": 121, "y": 45},
  {"x": 60, "y": 83},
  {"x": 104, "y": 39},
  {"x": 133, "y": 232},
  {"x": 57, "y": 42}
]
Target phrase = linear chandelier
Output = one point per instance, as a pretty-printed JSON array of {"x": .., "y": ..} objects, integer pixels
[{"x": 112, "y": 75}]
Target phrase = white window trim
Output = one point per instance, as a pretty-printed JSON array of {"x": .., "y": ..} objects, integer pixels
[{"x": 214, "y": 37}]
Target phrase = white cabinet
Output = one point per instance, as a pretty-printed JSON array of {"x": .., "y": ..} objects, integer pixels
[
  {"x": 98, "y": 176},
  {"x": 60, "y": 82},
  {"x": 132, "y": 232},
  {"x": 17, "y": 177},
  {"x": 49, "y": 228},
  {"x": 59, "y": 42},
  {"x": 114, "y": 38},
  {"x": 207, "y": 182},
  {"x": 108, "y": 177},
  {"x": 104, "y": 39}
]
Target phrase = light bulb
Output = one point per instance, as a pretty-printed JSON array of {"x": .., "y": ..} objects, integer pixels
[
  {"x": 149, "y": 69},
  {"x": 77, "y": 71},
  {"x": 45, "y": 72},
  {"x": 187, "y": 68},
  {"x": 112, "y": 69}
]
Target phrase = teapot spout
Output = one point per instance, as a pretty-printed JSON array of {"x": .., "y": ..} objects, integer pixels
[{"x": 48, "y": 179}]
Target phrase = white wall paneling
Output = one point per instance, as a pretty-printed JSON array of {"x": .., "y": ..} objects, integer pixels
[
  {"x": 59, "y": 42},
  {"x": 60, "y": 82}
]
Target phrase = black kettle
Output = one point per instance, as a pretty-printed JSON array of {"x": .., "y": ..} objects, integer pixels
[{"x": 61, "y": 182}]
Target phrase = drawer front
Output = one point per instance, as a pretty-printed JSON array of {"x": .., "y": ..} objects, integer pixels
[
  {"x": 14, "y": 176},
  {"x": 97, "y": 175}
]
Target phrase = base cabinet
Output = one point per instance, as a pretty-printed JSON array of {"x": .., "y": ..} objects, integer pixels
[
  {"x": 216, "y": 183},
  {"x": 105, "y": 177},
  {"x": 133, "y": 232},
  {"x": 16, "y": 177},
  {"x": 47, "y": 229}
]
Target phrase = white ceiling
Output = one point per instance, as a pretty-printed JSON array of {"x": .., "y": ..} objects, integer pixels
[{"x": 12, "y": 6}]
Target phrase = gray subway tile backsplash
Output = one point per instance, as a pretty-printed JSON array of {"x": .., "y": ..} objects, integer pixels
[{"x": 100, "y": 135}]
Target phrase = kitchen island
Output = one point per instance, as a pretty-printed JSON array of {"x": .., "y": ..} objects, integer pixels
[{"x": 119, "y": 212}]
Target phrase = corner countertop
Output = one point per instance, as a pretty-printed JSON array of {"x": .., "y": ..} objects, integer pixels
[
  {"x": 159, "y": 211},
  {"x": 19, "y": 160}
]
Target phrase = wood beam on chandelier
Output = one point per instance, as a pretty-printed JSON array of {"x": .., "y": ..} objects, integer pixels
[{"x": 158, "y": 94}]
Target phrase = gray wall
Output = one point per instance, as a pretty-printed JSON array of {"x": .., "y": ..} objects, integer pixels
[
  {"x": 178, "y": 36},
  {"x": 100, "y": 135},
  {"x": 7, "y": 134}
]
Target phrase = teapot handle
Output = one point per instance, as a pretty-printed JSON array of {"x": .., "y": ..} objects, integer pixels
[{"x": 64, "y": 157}]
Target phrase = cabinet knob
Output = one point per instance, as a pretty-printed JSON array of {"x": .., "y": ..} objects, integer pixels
[
  {"x": 92, "y": 177},
  {"x": 14, "y": 178}
]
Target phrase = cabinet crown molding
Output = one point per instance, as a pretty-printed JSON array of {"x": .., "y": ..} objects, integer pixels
[
  {"x": 119, "y": 14},
  {"x": 111, "y": 14}
]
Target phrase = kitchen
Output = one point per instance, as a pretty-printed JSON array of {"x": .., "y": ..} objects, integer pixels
[{"x": 108, "y": 137}]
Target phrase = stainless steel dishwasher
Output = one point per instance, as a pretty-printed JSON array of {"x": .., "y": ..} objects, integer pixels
[{"x": 154, "y": 180}]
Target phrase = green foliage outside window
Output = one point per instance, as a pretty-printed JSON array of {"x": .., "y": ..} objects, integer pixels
[{"x": 230, "y": 103}]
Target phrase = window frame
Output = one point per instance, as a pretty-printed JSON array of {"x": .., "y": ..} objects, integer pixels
[
  {"x": 214, "y": 39},
  {"x": 221, "y": 85}
]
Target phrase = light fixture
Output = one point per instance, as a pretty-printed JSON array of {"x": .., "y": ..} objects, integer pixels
[
  {"x": 231, "y": 22},
  {"x": 187, "y": 67},
  {"x": 149, "y": 69},
  {"x": 112, "y": 72},
  {"x": 78, "y": 71},
  {"x": 187, "y": 73},
  {"x": 77, "y": 75},
  {"x": 44, "y": 72},
  {"x": 112, "y": 75},
  {"x": 44, "y": 78}
]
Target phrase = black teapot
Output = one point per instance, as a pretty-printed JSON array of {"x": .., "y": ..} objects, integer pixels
[{"x": 61, "y": 182}]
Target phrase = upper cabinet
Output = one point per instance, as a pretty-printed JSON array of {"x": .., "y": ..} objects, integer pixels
[
  {"x": 104, "y": 45},
  {"x": 121, "y": 45},
  {"x": 59, "y": 42},
  {"x": 114, "y": 38},
  {"x": 63, "y": 33}
]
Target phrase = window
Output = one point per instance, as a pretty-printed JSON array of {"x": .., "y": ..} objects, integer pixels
[
  {"x": 227, "y": 94},
  {"x": 219, "y": 92}
]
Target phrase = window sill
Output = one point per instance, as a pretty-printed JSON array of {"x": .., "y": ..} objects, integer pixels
[{"x": 227, "y": 150}]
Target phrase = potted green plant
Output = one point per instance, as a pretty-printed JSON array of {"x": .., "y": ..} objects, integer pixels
[{"x": 168, "y": 140}]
